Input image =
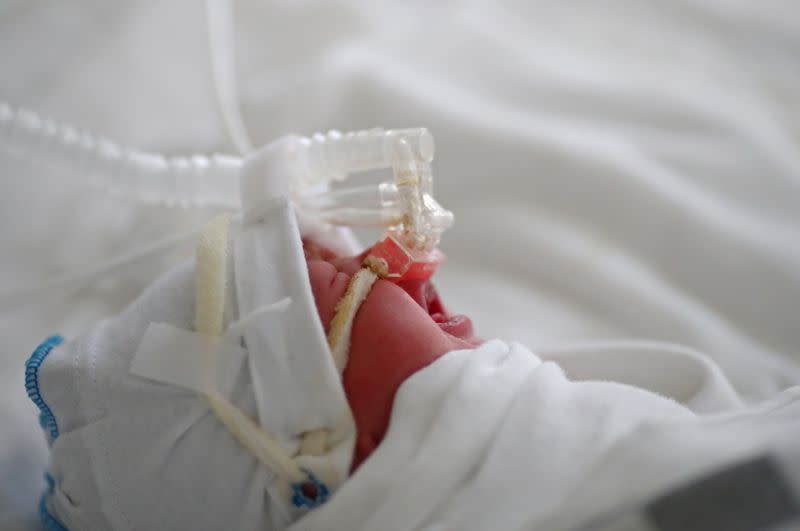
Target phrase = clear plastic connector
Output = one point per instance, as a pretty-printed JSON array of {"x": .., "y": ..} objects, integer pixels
[{"x": 405, "y": 207}]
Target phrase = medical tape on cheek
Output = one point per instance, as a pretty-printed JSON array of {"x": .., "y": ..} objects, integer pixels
[
  {"x": 313, "y": 442},
  {"x": 342, "y": 323}
]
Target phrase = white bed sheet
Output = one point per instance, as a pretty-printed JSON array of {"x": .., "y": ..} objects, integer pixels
[{"x": 630, "y": 170}]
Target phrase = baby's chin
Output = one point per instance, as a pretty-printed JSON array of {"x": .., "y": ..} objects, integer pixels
[{"x": 399, "y": 329}]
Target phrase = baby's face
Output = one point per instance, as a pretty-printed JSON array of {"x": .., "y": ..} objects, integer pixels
[{"x": 399, "y": 329}]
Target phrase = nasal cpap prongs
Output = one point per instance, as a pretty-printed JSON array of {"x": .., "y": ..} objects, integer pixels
[{"x": 405, "y": 207}]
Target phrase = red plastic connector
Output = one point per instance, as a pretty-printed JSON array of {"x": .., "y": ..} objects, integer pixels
[{"x": 394, "y": 261}]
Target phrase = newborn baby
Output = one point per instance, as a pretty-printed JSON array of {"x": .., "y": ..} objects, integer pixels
[{"x": 217, "y": 399}]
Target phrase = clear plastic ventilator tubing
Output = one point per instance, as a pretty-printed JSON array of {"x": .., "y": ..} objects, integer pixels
[
  {"x": 334, "y": 156},
  {"x": 404, "y": 207},
  {"x": 99, "y": 163},
  {"x": 374, "y": 205}
]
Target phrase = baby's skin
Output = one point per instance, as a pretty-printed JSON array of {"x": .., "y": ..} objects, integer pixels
[{"x": 399, "y": 329}]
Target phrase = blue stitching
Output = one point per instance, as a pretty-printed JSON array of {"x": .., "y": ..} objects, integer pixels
[
  {"x": 46, "y": 419},
  {"x": 49, "y": 523},
  {"x": 301, "y": 500}
]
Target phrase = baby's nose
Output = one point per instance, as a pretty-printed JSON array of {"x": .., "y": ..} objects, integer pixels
[{"x": 349, "y": 264}]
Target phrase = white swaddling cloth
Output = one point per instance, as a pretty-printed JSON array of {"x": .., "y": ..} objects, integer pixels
[
  {"x": 496, "y": 438},
  {"x": 491, "y": 438}
]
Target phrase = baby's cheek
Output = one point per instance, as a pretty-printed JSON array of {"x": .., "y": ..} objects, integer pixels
[{"x": 392, "y": 339}]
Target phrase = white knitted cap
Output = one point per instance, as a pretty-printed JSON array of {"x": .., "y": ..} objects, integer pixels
[{"x": 134, "y": 453}]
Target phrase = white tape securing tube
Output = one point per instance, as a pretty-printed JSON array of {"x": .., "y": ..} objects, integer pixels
[{"x": 193, "y": 361}]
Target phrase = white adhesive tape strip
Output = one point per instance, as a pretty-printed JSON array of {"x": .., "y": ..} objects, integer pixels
[{"x": 200, "y": 363}]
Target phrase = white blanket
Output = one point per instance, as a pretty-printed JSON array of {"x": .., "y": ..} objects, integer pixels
[
  {"x": 617, "y": 169},
  {"x": 497, "y": 439}
]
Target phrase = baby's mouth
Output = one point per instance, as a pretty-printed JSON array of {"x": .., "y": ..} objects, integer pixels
[
  {"x": 331, "y": 274},
  {"x": 424, "y": 293}
]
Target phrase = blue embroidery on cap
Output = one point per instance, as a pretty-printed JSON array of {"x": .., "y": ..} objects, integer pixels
[
  {"x": 49, "y": 523},
  {"x": 51, "y": 483},
  {"x": 318, "y": 495},
  {"x": 46, "y": 418}
]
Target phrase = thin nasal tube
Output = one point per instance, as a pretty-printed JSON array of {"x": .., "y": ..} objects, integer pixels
[{"x": 220, "y": 29}]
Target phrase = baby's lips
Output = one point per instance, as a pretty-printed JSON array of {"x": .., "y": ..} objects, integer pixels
[{"x": 459, "y": 326}]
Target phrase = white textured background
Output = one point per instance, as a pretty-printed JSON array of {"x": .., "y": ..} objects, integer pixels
[{"x": 630, "y": 169}]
